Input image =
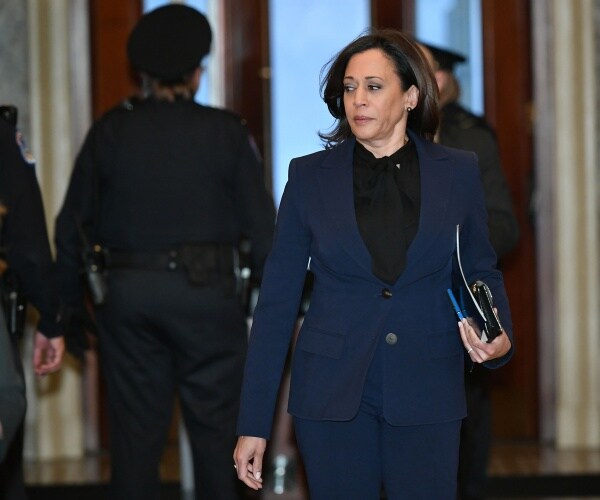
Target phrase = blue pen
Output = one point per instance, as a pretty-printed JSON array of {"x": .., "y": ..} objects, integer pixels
[{"x": 455, "y": 305}]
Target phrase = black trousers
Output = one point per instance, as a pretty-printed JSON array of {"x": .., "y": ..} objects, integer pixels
[
  {"x": 475, "y": 437},
  {"x": 158, "y": 336},
  {"x": 12, "y": 485}
]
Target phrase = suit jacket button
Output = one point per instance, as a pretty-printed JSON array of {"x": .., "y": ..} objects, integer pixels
[
  {"x": 391, "y": 338},
  {"x": 386, "y": 293}
]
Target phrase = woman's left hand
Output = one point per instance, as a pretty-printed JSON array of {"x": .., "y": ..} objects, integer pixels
[{"x": 481, "y": 351}]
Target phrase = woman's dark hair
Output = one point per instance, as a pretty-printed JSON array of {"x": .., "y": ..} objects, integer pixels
[{"x": 411, "y": 67}]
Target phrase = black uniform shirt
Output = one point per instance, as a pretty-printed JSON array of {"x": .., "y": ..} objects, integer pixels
[
  {"x": 155, "y": 174},
  {"x": 461, "y": 129},
  {"x": 24, "y": 230}
]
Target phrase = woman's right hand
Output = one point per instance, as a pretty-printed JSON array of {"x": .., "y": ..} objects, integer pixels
[{"x": 248, "y": 458}]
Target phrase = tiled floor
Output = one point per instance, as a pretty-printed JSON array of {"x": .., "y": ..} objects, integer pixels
[
  {"x": 508, "y": 459},
  {"x": 514, "y": 459}
]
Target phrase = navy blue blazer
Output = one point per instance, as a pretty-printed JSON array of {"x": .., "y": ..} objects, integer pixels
[{"x": 349, "y": 311}]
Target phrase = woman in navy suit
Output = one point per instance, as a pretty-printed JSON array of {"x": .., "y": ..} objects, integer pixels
[{"x": 377, "y": 390}]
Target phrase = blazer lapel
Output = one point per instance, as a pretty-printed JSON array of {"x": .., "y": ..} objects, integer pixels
[
  {"x": 436, "y": 180},
  {"x": 337, "y": 190}
]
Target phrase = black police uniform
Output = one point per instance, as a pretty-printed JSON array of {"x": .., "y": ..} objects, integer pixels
[
  {"x": 459, "y": 128},
  {"x": 462, "y": 129},
  {"x": 166, "y": 174},
  {"x": 25, "y": 238},
  {"x": 12, "y": 392},
  {"x": 168, "y": 189}
]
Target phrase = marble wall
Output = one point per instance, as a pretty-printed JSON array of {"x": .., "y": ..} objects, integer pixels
[
  {"x": 565, "y": 37},
  {"x": 597, "y": 82},
  {"x": 14, "y": 59}
]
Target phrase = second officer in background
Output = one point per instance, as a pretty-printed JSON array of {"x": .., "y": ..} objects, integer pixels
[
  {"x": 164, "y": 189},
  {"x": 460, "y": 128}
]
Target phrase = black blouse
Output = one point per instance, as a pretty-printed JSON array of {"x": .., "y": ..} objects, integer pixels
[{"x": 387, "y": 202}]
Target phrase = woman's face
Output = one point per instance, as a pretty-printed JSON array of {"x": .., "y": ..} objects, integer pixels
[{"x": 375, "y": 103}]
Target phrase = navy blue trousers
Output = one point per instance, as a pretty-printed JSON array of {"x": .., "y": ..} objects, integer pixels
[{"x": 356, "y": 459}]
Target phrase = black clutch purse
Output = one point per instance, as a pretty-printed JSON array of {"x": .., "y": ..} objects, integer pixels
[{"x": 491, "y": 327}]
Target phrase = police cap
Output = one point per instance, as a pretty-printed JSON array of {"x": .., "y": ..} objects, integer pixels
[
  {"x": 169, "y": 41},
  {"x": 445, "y": 58}
]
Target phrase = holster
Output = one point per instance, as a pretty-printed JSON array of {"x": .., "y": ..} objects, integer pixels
[
  {"x": 94, "y": 270},
  {"x": 210, "y": 264},
  {"x": 14, "y": 304}
]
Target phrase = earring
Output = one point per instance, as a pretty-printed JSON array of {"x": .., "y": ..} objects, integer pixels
[{"x": 409, "y": 109}]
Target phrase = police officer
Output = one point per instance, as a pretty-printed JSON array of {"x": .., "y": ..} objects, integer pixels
[
  {"x": 26, "y": 273},
  {"x": 166, "y": 188},
  {"x": 462, "y": 129},
  {"x": 12, "y": 392},
  {"x": 459, "y": 128}
]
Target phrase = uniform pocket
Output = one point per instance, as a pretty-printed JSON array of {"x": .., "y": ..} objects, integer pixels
[{"x": 320, "y": 342}]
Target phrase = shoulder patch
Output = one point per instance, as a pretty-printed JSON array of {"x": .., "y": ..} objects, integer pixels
[
  {"x": 254, "y": 147},
  {"x": 25, "y": 152}
]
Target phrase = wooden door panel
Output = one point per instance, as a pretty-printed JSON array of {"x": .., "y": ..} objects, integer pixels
[
  {"x": 111, "y": 21},
  {"x": 508, "y": 97}
]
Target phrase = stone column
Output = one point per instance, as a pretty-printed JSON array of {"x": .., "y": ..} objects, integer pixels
[
  {"x": 60, "y": 101},
  {"x": 566, "y": 136},
  {"x": 14, "y": 61}
]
